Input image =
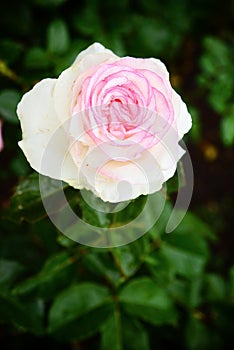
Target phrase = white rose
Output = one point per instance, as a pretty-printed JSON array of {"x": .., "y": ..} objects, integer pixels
[{"x": 107, "y": 124}]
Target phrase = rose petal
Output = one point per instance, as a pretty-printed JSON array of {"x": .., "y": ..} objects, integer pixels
[
  {"x": 1, "y": 139},
  {"x": 167, "y": 155},
  {"x": 182, "y": 116},
  {"x": 44, "y": 144},
  {"x": 51, "y": 157},
  {"x": 113, "y": 190},
  {"x": 65, "y": 89},
  {"x": 92, "y": 50},
  {"x": 115, "y": 181},
  {"x": 36, "y": 109}
]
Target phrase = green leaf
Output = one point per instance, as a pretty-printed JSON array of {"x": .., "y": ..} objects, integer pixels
[
  {"x": 26, "y": 203},
  {"x": 227, "y": 129},
  {"x": 102, "y": 264},
  {"x": 215, "y": 288},
  {"x": 57, "y": 273},
  {"x": 221, "y": 92},
  {"x": 159, "y": 228},
  {"x": 216, "y": 76},
  {"x": 135, "y": 336},
  {"x": 37, "y": 58},
  {"x": 115, "y": 43},
  {"x": 196, "y": 335},
  {"x": 111, "y": 333},
  {"x": 15, "y": 239},
  {"x": 159, "y": 268},
  {"x": 8, "y": 102},
  {"x": 122, "y": 332},
  {"x": 129, "y": 258},
  {"x": 58, "y": 39},
  {"x": 65, "y": 61},
  {"x": 218, "y": 51},
  {"x": 186, "y": 254},
  {"x": 88, "y": 21},
  {"x": 195, "y": 292},
  {"x": 10, "y": 271},
  {"x": 10, "y": 50},
  {"x": 65, "y": 241},
  {"x": 231, "y": 287},
  {"x": 182, "y": 262},
  {"x": 152, "y": 37},
  {"x": 46, "y": 234},
  {"x": 19, "y": 165},
  {"x": 145, "y": 299},
  {"x": 79, "y": 311},
  {"x": 196, "y": 130},
  {"x": 192, "y": 223},
  {"x": 187, "y": 293},
  {"x": 94, "y": 210},
  {"x": 26, "y": 315}
]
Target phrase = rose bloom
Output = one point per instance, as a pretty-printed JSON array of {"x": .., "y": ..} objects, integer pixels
[
  {"x": 1, "y": 139},
  {"x": 107, "y": 124}
]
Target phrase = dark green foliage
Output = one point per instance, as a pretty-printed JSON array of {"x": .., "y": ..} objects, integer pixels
[
  {"x": 217, "y": 77},
  {"x": 8, "y": 102}
]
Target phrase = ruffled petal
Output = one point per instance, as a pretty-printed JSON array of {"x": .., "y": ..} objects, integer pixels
[
  {"x": 167, "y": 153},
  {"x": 81, "y": 68}
]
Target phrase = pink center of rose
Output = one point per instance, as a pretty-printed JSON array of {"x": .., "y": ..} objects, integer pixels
[{"x": 124, "y": 104}]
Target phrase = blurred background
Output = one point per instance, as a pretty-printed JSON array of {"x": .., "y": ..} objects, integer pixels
[{"x": 40, "y": 270}]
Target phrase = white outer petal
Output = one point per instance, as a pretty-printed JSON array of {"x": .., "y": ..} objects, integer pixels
[
  {"x": 167, "y": 153},
  {"x": 39, "y": 123},
  {"x": 182, "y": 117},
  {"x": 158, "y": 65},
  {"x": 116, "y": 181},
  {"x": 36, "y": 110},
  {"x": 92, "y": 50}
]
